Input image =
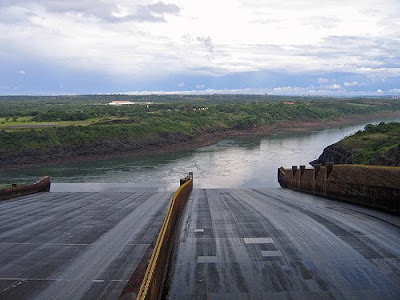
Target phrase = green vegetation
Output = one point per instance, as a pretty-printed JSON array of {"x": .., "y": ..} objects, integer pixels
[
  {"x": 372, "y": 142},
  {"x": 29, "y": 123}
]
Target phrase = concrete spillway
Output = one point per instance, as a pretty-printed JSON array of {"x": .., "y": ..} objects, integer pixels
[
  {"x": 75, "y": 245},
  {"x": 276, "y": 243},
  {"x": 236, "y": 243}
]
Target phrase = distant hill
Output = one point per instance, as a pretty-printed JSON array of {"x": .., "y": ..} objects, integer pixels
[
  {"x": 43, "y": 130},
  {"x": 375, "y": 145}
]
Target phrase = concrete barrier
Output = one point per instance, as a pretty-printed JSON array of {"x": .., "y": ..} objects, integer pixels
[
  {"x": 153, "y": 282},
  {"x": 20, "y": 190},
  {"x": 373, "y": 186}
]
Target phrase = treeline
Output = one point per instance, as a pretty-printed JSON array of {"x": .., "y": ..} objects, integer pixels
[
  {"x": 63, "y": 116},
  {"x": 22, "y": 106},
  {"x": 184, "y": 120}
]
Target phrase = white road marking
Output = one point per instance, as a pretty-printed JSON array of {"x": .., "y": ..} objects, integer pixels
[
  {"x": 271, "y": 253},
  {"x": 206, "y": 259},
  {"x": 261, "y": 240},
  {"x": 199, "y": 230}
]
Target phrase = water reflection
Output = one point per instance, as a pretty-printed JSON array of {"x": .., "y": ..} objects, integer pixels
[{"x": 238, "y": 162}]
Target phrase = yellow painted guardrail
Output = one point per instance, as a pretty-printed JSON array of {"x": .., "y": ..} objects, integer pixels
[{"x": 152, "y": 284}]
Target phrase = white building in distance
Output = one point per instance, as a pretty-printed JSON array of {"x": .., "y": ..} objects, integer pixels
[
  {"x": 128, "y": 103},
  {"x": 120, "y": 103}
]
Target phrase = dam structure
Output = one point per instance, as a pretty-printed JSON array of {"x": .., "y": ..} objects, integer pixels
[
  {"x": 278, "y": 243},
  {"x": 76, "y": 245},
  {"x": 222, "y": 243}
]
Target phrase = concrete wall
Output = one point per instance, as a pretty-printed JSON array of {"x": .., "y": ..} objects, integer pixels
[
  {"x": 372, "y": 186},
  {"x": 153, "y": 282},
  {"x": 20, "y": 190}
]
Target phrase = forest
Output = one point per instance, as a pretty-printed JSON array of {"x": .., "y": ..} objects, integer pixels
[{"x": 68, "y": 122}]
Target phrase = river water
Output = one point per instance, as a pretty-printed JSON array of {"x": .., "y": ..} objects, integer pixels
[{"x": 230, "y": 163}]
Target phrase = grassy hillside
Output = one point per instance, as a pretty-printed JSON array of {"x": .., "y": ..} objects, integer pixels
[{"x": 373, "y": 142}]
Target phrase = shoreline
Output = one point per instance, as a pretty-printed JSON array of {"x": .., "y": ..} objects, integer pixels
[{"x": 212, "y": 138}]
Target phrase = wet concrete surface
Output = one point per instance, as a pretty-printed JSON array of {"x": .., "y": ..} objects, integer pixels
[
  {"x": 76, "y": 245},
  {"x": 276, "y": 243}
]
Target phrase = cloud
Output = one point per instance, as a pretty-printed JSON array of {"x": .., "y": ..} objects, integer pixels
[
  {"x": 181, "y": 84},
  {"x": 296, "y": 90},
  {"x": 128, "y": 37},
  {"x": 21, "y": 72},
  {"x": 322, "y": 22},
  {"x": 208, "y": 44},
  {"x": 149, "y": 13},
  {"x": 200, "y": 86},
  {"x": 108, "y": 11},
  {"x": 323, "y": 80},
  {"x": 266, "y": 21},
  {"x": 352, "y": 84},
  {"x": 149, "y": 40},
  {"x": 162, "y": 8},
  {"x": 334, "y": 86},
  {"x": 283, "y": 90}
]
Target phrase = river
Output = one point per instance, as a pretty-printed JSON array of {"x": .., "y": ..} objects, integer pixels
[{"x": 230, "y": 163}]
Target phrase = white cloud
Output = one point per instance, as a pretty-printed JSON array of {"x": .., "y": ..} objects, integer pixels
[
  {"x": 334, "y": 86},
  {"x": 148, "y": 39},
  {"x": 181, "y": 84},
  {"x": 200, "y": 86},
  {"x": 21, "y": 72},
  {"x": 107, "y": 10},
  {"x": 352, "y": 84},
  {"x": 323, "y": 80},
  {"x": 208, "y": 44},
  {"x": 284, "y": 90}
]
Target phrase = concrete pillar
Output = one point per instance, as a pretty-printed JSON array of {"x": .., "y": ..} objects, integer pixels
[
  {"x": 294, "y": 170},
  {"x": 325, "y": 181},
  {"x": 329, "y": 168},
  {"x": 300, "y": 176},
  {"x": 293, "y": 179},
  {"x": 302, "y": 169},
  {"x": 317, "y": 168}
]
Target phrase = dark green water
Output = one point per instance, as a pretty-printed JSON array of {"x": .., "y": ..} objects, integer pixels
[{"x": 238, "y": 162}]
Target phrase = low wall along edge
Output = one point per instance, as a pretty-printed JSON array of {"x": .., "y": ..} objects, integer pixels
[
  {"x": 153, "y": 282},
  {"x": 372, "y": 186},
  {"x": 21, "y": 190}
]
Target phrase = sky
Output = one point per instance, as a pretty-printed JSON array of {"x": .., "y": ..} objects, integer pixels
[{"x": 291, "y": 47}]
